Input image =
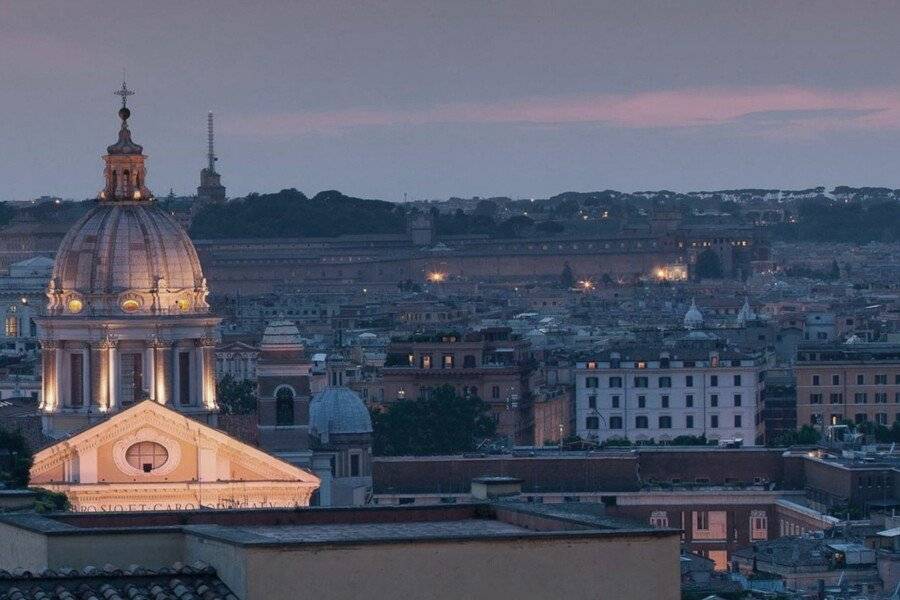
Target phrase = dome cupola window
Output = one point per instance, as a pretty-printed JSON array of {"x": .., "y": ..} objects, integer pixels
[{"x": 74, "y": 305}]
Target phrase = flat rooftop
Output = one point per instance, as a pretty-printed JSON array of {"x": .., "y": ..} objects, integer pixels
[{"x": 366, "y": 525}]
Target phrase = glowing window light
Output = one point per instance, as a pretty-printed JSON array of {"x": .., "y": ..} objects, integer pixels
[
  {"x": 130, "y": 305},
  {"x": 437, "y": 277},
  {"x": 75, "y": 305}
]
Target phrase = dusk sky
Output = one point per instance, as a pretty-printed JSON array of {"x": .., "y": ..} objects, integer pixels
[{"x": 454, "y": 97}]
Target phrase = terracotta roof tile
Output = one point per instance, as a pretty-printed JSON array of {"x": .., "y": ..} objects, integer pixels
[{"x": 178, "y": 582}]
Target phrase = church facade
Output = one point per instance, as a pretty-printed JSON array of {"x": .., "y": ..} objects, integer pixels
[{"x": 128, "y": 382}]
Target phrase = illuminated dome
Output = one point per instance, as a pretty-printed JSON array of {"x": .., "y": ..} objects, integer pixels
[
  {"x": 129, "y": 257},
  {"x": 126, "y": 255}
]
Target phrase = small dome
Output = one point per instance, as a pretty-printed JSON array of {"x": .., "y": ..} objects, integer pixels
[
  {"x": 337, "y": 410},
  {"x": 693, "y": 317},
  {"x": 130, "y": 257},
  {"x": 746, "y": 313},
  {"x": 281, "y": 335}
]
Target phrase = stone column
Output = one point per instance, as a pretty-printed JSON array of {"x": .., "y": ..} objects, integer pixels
[
  {"x": 159, "y": 372},
  {"x": 149, "y": 382},
  {"x": 49, "y": 371},
  {"x": 113, "y": 371},
  {"x": 100, "y": 375},
  {"x": 206, "y": 372},
  {"x": 177, "y": 400},
  {"x": 86, "y": 375}
]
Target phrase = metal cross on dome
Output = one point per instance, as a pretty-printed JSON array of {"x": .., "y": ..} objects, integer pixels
[{"x": 124, "y": 93}]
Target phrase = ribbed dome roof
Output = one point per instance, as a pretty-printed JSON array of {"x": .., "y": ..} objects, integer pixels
[
  {"x": 693, "y": 317},
  {"x": 337, "y": 410},
  {"x": 128, "y": 250},
  {"x": 281, "y": 335}
]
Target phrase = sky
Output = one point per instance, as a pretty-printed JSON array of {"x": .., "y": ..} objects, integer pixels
[{"x": 439, "y": 98}]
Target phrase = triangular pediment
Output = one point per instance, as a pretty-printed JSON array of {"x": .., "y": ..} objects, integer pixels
[{"x": 151, "y": 416}]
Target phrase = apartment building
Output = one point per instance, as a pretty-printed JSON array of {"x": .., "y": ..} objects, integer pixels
[
  {"x": 661, "y": 391},
  {"x": 493, "y": 364},
  {"x": 855, "y": 382}
]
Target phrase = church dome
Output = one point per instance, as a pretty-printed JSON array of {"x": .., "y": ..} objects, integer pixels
[
  {"x": 126, "y": 255},
  {"x": 693, "y": 317},
  {"x": 337, "y": 410}
]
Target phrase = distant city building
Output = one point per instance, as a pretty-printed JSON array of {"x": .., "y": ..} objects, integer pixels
[
  {"x": 856, "y": 382},
  {"x": 658, "y": 392},
  {"x": 492, "y": 364}
]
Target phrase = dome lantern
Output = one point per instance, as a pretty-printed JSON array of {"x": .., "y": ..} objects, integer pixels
[{"x": 125, "y": 171}]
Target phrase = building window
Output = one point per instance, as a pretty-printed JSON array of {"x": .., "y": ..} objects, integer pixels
[
  {"x": 615, "y": 401},
  {"x": 815, "y": 380},
  {"x": 76, "y": 378},
  {"x": 759, "y": 525},
  {"x": 737, "y": 380},
  {"x": 592, "y": 423},
  {"x": 131, "y": 374},
  {"x": 714, "y": 421},
  {"x": 659, "y": 518},
  {"x": 881, "y": 418},
  {"x": 664, "y": 401},
  {"x": 713, "y": 381},
  {"x": 689, "y": 400},
  {"x": 688, "y": 381},
  {"x": 591, "y": 382},
  {"x": 592, "y": 401},
  {"x": 665, "y": 422},
  {"x": 425, "y": 361},
  {"x": 880, "y": 397},
  {"x": 447, "y": 361},
  {"x": 146, "y": 456},
  {"x": 737, "y": 399},
  {"x": 592, "y": 365},
  {"x": 284, "y": 406},
  {"x": 665, "y": 382},
  {"x": 714, "y": 400},
  {"x": 702, "y": 520},
  {"x": 737, "y": 420},
  {"x": 860, "y": 398},
  {"x": 615, "y": 382},
  {"x": 468, "y": 361},
  {"x": 354, "y": 465},
  {"x": 860, "y": 380},
  {"x": 860, "y": 418},
  {"x": 881, "y": 379},
  {"x": 12, "y": 326},
  {"x": 835, "y": 380},
  {"x": 184, "y": 377},
  {"x": 837, "y": 398},
  {"x": 495, "y": 392},
  {"x": 815, "y": 398},
  {"x": 689, "y": 422},
  {"x": 640, "y": 382},
  {"x": 615, "y": 422},
  {"x": 641, "y": 422},
  {"x": 642, "y": 401}
]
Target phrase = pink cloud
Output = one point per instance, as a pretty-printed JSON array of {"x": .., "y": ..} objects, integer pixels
[{"x": 777, "y": 110}]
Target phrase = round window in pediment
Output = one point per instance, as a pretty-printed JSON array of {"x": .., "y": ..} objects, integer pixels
[{"x": 146, "y": 456}]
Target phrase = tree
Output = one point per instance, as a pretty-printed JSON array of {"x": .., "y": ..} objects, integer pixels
[
  {"x": 835, "y": 270},
  {"x": 15, "y": 459},
  {"x": 485, "y": 208},
  {"x": 567, "y": 277},
  {"x": 443, "y": 423},
  {"x": 236, "y": 397},
  {"x": 806, "y": 436},
  {"x": 709, "y": 265}
]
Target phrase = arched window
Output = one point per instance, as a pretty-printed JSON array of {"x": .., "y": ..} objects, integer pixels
[{"x": 284, "y": 406}]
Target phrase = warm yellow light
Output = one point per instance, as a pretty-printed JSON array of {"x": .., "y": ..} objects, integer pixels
[
  {"x": 586, "y": 284},
  {"x": 436, "y": 277},
  {"x": 74, "y": 305},
  {"x": 137, "y": 194},
  {"x": 130, "y": 305},
  {"x": 183, "y": 304}
]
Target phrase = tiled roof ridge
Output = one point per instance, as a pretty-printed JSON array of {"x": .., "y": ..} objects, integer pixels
[{"x": 106, "y": 571}]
